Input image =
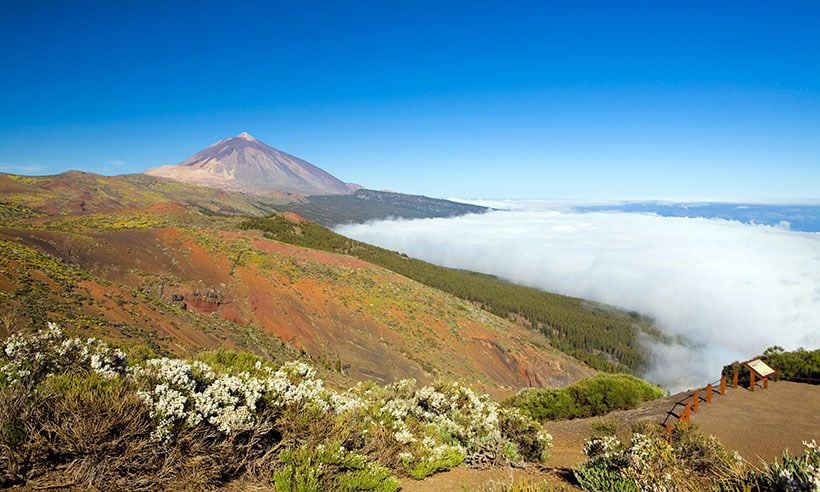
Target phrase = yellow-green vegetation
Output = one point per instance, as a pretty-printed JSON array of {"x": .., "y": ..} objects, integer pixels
[
  {"x": 102, "y": 222},
  {"x": 10, "y": 212},
  {"x": 597, "y": 395},
  {"x": 517, "y": 485},
  {"x": 330, "y": 468},
  {"x": 602, "y": 337},
  {"x": 73, "y": 192}
]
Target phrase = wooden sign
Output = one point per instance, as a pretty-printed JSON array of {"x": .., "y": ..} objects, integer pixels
[{"x": 761, "y": 368}]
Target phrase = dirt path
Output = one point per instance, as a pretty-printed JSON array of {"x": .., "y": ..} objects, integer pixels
[{"x": 759, "y": 425}]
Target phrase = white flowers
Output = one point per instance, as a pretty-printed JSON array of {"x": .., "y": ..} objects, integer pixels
[
  {"x": 49, "y": 351},
  {"x": 432, "y": 425},
  {"x": 192, "y": 393},
  {"x": 453, "y": 409},
  {"x": 404, "y": 436},
  {"x": 801, "y": 472}
]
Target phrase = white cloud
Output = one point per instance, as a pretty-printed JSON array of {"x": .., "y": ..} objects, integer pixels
[
  {"x": 22, "y": 168},
  {"x": 733, "y": 289}
]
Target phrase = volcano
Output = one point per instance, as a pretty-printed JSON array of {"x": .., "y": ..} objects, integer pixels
[{"x": 243, "y": 163}]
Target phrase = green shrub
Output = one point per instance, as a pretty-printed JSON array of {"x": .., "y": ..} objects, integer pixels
[
  {"x": 589, "y": 397},
  {"x": 83, "y": 387},
  {"x": 603, "y": 393},
  {"x": 601, "y": 479},
  {"x": 233, "y": 362},
  {"x": 547, "y": 404},
  {"x": 425, "y": 462},
  {"x": 330, "y": 467},
  {"x": 532, "y": 443},
  {"x": 605, "y": 427},
  {"x": 798, "y": 365}
]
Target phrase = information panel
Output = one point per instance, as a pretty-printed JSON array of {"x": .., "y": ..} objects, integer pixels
[{"x": 761, "y": 368}]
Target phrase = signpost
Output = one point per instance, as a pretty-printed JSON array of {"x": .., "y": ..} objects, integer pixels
[{"x": 758, "y": 368}]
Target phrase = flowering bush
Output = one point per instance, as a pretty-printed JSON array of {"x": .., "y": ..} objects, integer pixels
[
  {"x": 187, "y": 394},
  {"x": 792, "y": 473},
  {"x": 438, "y": 426},
  {"x": 644, "y": 464},
  {"x": 650, "y": 463},
  {"x": 240, "y": 398},
  {"x": 29, "y": 359}
]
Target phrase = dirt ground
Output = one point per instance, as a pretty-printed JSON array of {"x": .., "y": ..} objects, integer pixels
[
  {"x": 759, "y": 425},
  {"x": 763, "y": 423}
]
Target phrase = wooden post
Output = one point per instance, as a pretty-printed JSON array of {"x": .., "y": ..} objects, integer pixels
[
  {"x": 686, "y": 411},
  {"x": 669, "y": 430},
  {"x": 695, "y": 401},
  {"x": 709, "y": 393},
  {"x": 765, "y": 383},
  {"x": 722, "y": 385},
  {"x": 751, "y": 380},
  {"x": 734, "y": 379}
]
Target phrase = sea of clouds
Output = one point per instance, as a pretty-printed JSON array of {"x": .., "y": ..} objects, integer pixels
[{"x": 731, "y": 289}]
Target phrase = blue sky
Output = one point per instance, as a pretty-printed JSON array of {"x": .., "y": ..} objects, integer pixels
[{"x": 571, "y": 99}]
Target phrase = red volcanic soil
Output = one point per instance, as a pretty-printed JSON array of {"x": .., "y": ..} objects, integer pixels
[
  {"x": 372, "y": 323},
  {"x": 294, "y": 217}
]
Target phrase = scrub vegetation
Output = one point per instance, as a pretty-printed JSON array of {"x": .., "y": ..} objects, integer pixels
[{"x": 77, "y": 412}]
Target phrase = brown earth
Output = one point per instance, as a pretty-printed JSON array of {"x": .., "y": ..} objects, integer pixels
[{"x": 763, "y": 423}]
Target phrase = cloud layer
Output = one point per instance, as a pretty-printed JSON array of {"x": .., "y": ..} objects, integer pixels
[{"x": 733, "y": 289}]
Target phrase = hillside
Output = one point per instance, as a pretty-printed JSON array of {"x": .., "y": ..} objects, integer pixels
[
  {"x": 78, "y": 193},
  {"x": 163, "y": 269},
  {"x": 181, "y": 280}
]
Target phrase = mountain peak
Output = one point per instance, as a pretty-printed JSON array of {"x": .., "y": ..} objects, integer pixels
[{"x": 244, "y": 163}]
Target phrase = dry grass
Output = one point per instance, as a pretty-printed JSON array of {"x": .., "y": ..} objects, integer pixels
[{"x": 97, "y": 434}]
